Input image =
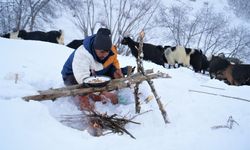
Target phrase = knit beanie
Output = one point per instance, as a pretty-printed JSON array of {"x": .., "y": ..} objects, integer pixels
[{"x": 102, "y": 40}]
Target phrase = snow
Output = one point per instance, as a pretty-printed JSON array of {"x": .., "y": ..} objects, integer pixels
[
  {"x": 36, "y": 125},
  {"x": 30, "y": 66}
]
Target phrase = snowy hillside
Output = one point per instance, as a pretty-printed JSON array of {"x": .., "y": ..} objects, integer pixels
[{"x": 36, "y": 125}]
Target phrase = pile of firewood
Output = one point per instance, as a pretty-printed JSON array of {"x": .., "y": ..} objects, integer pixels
[
  {"x": 102, "y": 124},
  {"x": 98, "y": 124}
]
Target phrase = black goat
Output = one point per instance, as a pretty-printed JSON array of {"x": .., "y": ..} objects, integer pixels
[
  {"x": 75, "y": 44},
  {"x": 51, "y": 36},
  {"x": 204, "y": 64},
  {"x": 216, "y": 66},
  {"x": 199, "y": 61},
  {"x": 151, "y": 52}
]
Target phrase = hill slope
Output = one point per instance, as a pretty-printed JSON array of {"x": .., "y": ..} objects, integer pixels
[{"x": 35, "y": 125}]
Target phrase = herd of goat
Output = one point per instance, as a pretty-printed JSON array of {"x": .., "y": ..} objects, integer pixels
[{"x": 219, "y": 67}]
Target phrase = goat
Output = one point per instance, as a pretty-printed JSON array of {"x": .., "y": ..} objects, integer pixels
[
  {"x": 11, "y": 35},
  {"x": 199, "y": 61},
  {"x": 151, "y": 52},
  {"x": 216, "y": 66},
  {"x": 75, "y": 44},
  {"x": 51, "y": 36},
  {"x": 237, "y": 74},
  {"x": 178, "y": 54}
]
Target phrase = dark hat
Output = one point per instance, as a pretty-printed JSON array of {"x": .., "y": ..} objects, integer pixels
[{"x": 103, "y": 40}]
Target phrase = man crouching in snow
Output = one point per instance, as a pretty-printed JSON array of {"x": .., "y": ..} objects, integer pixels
[{"x": 97, "y": 56}]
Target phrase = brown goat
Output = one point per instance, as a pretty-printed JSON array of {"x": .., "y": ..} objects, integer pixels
[
  {"x": 238, "y": 74},
  {"x": 227, "y": 74}
]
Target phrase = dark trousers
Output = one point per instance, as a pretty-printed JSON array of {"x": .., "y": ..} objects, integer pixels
[{"x": 69, "y": 80}]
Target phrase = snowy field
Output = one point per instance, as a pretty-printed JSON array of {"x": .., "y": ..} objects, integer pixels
[{"x": 36, "y": 125}]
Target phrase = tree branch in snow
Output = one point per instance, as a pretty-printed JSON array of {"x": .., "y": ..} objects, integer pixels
[
  {"x": 99, "y": 123},
  {"x": 230, "y": 123},
  {"x": 74, "y": 90},
  {"x": 237, "y": 98}
]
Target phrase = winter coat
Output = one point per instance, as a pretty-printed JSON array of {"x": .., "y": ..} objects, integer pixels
[{"x": 84, "y": 59}]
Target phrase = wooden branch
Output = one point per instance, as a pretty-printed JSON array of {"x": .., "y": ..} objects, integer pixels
[
  {"x": 100, "y": 124},
  {"x": 237, "y": 98},
  {"x": 76, "y": 90},
  {"x": 137, "y": 98},
  {"x": 112, "y": 123},
  {"x": 150, "y": 82},
  {"x": 229, "y": 125},
  {"x": 78, "y": 86},
  {"x": 212, "y": 87},
  {"x": 140, "y": 69},
  {"x": 163, "y": 111}
]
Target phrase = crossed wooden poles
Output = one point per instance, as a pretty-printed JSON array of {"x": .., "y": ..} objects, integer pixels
[{"x": 115, "y": 84}]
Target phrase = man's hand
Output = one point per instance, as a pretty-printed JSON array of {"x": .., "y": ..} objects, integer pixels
[{"x": 118, "y": 74}]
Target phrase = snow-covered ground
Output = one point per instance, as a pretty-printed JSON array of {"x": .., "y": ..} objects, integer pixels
[{"x": 36, "y": 125}]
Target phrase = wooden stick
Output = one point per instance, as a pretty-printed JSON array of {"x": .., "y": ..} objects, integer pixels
[
  {"x": 140, "y": 69},
  {"x": 78, "y": 86},
  {"x": 150, "y": 82},
  {"x": 113, "y": 85},
  {"x": 137, "y": 102},
  {"x": 237, "y": 98},
  {"x": 212, "y": 87}
]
